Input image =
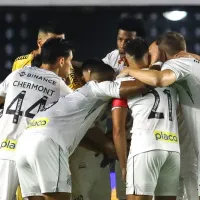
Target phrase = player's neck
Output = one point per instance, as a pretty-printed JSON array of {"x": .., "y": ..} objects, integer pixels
[
  {"x": 50, "y": 68},
  {"x": 137, "y": 64}
]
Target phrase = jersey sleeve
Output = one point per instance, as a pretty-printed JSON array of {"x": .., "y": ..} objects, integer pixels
[
  {"x": 106, "y": 60},
  {"x": 5, "y": 84},
  {"x": 182, "y": 67},
  {"x": 64, "y": 89},
  {"x": 107, "y": 89}
]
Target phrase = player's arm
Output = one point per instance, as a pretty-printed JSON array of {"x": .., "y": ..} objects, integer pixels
[
  {"x": 100, "y": 142},
  {"x": 2, "y": 99},
  {"x": 153, "y": 77},
  {"x": 88, "y": 144},
  {"x": 119, "y": 114},
  {"x": 172, "y": 70},
  {"x": 131, "y": 88},
  {"x": 107, "y": 89}
]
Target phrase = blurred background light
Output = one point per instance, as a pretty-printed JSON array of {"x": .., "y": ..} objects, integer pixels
[{"x": 175, "y": 15}]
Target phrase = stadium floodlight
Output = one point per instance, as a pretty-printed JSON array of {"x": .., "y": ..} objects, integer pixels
[{"x": 175, "y": 15}]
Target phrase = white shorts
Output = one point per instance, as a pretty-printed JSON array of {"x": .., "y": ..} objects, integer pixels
[
  {"x": 42, "y": 166},
  {"x": 154, "y": 172},
  {"x": 9, "y": 180},
  {"x": 120, "y": 185},
  {"x": 89, "y": 180}
]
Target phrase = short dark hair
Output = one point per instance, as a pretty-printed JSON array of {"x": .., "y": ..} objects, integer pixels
[
  {"x": 91, "y": 63},
  {"x": 171, "y": 43},
  {"x": 37, "y": 61},
  {"x": 51, "y": 27},
  {"x": 136, "y": 47},
  {"x": 54, "y": 48},
  {"x": 128, "y": 22},
  {"x": 98, "y": 67}
]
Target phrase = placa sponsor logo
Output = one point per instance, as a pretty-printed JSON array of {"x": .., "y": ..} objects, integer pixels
[
  {"x": 38, "y": 123},
  {"x": 8, "y": 144},
  {"x": 166, "y": 136}
]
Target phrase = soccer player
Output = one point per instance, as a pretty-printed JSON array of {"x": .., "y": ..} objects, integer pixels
[
  {"x": 51, "y": 178},
  {"x": 128, "y": 28},
  {"x": 26, "y": 91},
  {"x": 153, "y": 163},
  {"x": 84, "y": 162},
  {"x": 47, "y": 30},
  {"x": 185, "y": 73}
]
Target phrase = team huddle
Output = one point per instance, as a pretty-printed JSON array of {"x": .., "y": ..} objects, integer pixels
[{"x": 55, "y": 136}]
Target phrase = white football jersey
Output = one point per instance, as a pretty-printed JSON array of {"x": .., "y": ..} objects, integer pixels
[
  {"x": 187, "y": 72},
  {"x": 67, "y": 120},
  {"x": 26, "y": 91},
  {"x": 113, "y": 59},
  {"x": 154, "y": 121}
]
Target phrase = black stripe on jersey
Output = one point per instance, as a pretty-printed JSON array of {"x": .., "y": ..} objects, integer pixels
[{"x": 57, "y": 189}]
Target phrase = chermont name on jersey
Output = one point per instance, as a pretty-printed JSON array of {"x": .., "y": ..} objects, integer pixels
[{"x": 33, "y": 86}]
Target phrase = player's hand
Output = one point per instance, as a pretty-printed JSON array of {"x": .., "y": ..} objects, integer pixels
[
  {"x": 123, "y": 73},
  {"x": 124, "y": 174},
  {"x": 106, "y": 161}
]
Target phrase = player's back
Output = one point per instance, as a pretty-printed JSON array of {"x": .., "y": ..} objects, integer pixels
[
  {"x": 155, "y": 121},
  {"x": 27, "y": 91},
  {"x": 187, "y": 72},
  {"x": 67, "y": 120}
]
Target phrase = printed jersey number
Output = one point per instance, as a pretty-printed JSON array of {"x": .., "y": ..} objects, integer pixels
[
  {"x": 19, "y": 101},
  {"x": 160, "y": 115}
]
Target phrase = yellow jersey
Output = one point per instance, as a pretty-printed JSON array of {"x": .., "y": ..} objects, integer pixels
[{"x": 22, "y": 61}]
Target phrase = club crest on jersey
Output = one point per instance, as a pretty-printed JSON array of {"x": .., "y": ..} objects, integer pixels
[
  {"x": 38, "y": 123},
  {"x": 166, "y": 136},
  {"x": 8, "y": 144}
]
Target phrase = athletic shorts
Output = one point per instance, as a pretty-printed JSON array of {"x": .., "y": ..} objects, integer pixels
[
  {"x": 154, "y": 172},
  {"x": 8, "y": 179},
  {"x": 42, "y": 166},
  {"x": 89, "y": 180}
]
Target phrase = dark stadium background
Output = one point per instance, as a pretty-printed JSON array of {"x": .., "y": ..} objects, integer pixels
[{"x": 92, "y": 30}]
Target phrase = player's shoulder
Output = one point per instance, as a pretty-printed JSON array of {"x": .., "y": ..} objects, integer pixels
[
  {"x": 23, "y": 57},
  {"x": 187, "y": 61},
  {"x": 22, "y": 61},
  {"x": 113, "y": 53}
]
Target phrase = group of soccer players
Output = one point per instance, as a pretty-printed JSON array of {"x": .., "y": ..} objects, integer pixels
[{"x": 54, "y": 141}]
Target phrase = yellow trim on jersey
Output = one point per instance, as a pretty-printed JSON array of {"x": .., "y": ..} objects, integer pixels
[
  {"x": 166, "y": 136},
  {"x": 19, "y": 194},
  {"x": 22, "y": 61},
  {"x": 75, "y": 80},
  {"x": 8, "y": 144}
]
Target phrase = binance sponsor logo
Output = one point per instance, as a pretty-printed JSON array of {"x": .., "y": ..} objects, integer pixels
[
  {"x": 38, "y": 123},
  {"x": 166, "y": 136},
  {"x": 8, "y": 144}
]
